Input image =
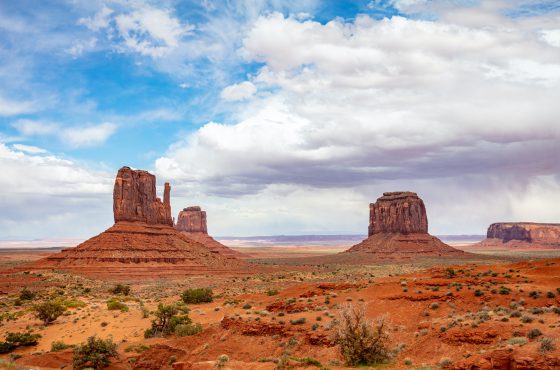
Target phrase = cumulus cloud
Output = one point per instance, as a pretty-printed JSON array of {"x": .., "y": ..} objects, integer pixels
[
  {"x": 240, "y": 91},
  {"x": 48, "y": 194},
  {"x": 386, "y": 105},
  {"x": 32, "y": 127}
]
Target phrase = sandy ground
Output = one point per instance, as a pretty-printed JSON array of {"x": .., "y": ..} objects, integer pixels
[{"x": 432, "y": 317}]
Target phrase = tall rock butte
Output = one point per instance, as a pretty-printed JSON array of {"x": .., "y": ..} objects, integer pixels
[
  {"x": 522, "y": 235},
  {"x": 398, "y": 227},
  {"x": 192, "y": 223},
  {"x": 142, "y": 242},
  {"x": 134, "y": 198}
]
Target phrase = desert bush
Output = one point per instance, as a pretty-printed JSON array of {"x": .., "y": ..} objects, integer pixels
[
  {"x": 537, "y": 310},
  {"x": 361, "y": 341},
  {"x": 515, "y": 314},
  {"x": 527, "y": 319},
  {"x": 504, "y": 290},
  {"x": 550, "y": 294},
  {"x": 197, "y": 295},
  {"x": 221, "y": 361},
  {"x": 534, "y": 333},
  {"x": 95, "y": 353},
  {"x": 450, "y": 273},
  {"x": 246, "y": 306},
  {"x": 137, "y": 348},
  {"x": 49, "y": 311},
  {"x": 26, "y": 295},
  {"x": 517, "y": 340},
  {"x": 272, "y": 292},
  {"x": 59, "y": 345},
  {"x": 547, "y": 345},
  {"x": 434, "y": 306},
  {"x": 185, "y": 330},
  {"x": 478, "y": 293},
  {"x": 120, "y": 289},
  {"x": 299, "y": 321},
  {"x": 14, "y": 340},
  {"x": 168, "y": 318},
  {"x": 114, "y": 304}
]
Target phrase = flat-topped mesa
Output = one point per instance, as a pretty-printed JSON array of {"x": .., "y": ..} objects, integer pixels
[
  {"x": 135, "y": 200},
  {"x": 530, "y": 232},
  {"x": 192, "y": 220},
  {"x": 400, "y": 212}
]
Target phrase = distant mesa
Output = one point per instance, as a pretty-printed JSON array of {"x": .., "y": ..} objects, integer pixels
[
  {"x": 398, "y": 227},
  {"x": 522, "y": 235},
  {"x": 142, "y": 241},
  {"x": 192, "y": 223}
]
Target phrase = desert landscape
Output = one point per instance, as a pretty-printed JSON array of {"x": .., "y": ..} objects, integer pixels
[
  {"x": 279, "y": 184},
  {"x": 149, "y": 293}
]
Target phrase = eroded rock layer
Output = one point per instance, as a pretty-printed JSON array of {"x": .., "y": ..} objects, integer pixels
[
  {"x": 398, "y": 227},
  {"x": 522, "y": 234},
  {"x": 192, "y": 223}
]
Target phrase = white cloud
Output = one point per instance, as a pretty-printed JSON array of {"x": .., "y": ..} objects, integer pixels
[
  {"x": 99, "y": 21},
  {"x": 552, "y": 37},
  {"x": 89, "y": 135},
  {"x": 151, "y": 31},
  {"x": 396, "y": 104},
  {"x": 9, "y": 107},
  {"x": 82, "y": 46},
  {"x": 240, "y": 91},
  {"x": 49, "y": 195},
  {"x": 31, "y": 127},
  {"x": 29, "y": 149}
]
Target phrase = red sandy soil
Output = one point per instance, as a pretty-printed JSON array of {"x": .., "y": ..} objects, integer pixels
[{"x": 432, "y": 315}]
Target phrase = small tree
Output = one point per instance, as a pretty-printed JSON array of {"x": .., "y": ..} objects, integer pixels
[
  {"x": 120, "y": 289},
  {"x": 167, "y": 319},
  {"x": 49, "y": 311},
  {"x": 361, "y": 342},
  {"x": 95, "y": 353}
]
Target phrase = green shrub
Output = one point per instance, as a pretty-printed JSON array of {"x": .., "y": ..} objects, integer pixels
[
  {"x": 534, "y": 333},
  {"x": 137, "y": 348},
  {"x": 361, "y": 342},
  {"x": 120, "y": 289},
  {"x": 434, "y": 306},
  {"x": 26, "y": 295},
  {"x": 478, "y": 293},
  {"x": 527, "y": 319},
  {"x": 49, "y": 311},
  {"x": 246, "y": 306},
  {"x": 547, "y": 344},
  {"x": 299, "y": 321},
  {"x": 59, "y": 345},
  {"x": 517, "y": 340},
  {"x": 186, "y": 330},
  {"x": 272, "y": 292},
  {"x": 95, "y": 353},
  {"x": 197, "y": 295},
  {"x": 114, "y": 304},
  {"x": 14, "y": 340},
  {"x": 221, "y": 361},
  {"x": 504, "y": 290}
]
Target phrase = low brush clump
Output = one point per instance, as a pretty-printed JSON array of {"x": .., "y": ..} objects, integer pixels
[
  {"x": 197, "y": 295},
  {"x": 14, "y": 340},
  {"x": 361, "y": 341},
  {"x": 172, "y": 319},
  {"x": 95, "y": 353}
]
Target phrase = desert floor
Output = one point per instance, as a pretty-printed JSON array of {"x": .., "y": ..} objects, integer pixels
[{"x": 437, "y": 313}]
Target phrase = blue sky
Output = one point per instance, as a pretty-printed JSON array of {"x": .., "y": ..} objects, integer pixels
[{"x": 270, "y": 113}]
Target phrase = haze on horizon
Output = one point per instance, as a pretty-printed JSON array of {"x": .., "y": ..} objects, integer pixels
[{"x": 280, "y": 117}]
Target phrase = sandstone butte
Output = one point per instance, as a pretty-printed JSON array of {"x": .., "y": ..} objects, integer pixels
[
  {"x": 398, "y": 227},
  {"x": 192, "y": 223},
  {"x": 142, "y": 241},
  {"x": 522, "y": 235}
]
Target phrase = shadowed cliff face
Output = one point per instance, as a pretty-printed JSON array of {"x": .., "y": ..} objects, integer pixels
[
  {"x": 525, "y": 231},
  {"x": 398, "y": 212},
  {"x": 134, "y": 198}
]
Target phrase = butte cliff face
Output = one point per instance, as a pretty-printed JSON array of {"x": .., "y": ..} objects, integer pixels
[
  {"x": 142, "y": 242},
  {"x": 398, "y": 227},
  {"x": 134, "y": 198},
  {"x": 192, "y": 223},
  {"x": 398, "y": 212},
  {"x": 522, "y": 234}
]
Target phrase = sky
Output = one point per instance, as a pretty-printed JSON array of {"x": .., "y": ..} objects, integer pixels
[{"x": 280, "y": 116}]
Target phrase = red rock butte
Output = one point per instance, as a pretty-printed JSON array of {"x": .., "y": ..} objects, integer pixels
[
  {"x": 192, "y": 223},
  {"x": 142, "y": 242},
  {"x": 398, "y": 227},
  {"x": 522, "y": 235}
]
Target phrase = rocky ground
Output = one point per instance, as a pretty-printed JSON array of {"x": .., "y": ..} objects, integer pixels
[{"x": 468, "y": 316}]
